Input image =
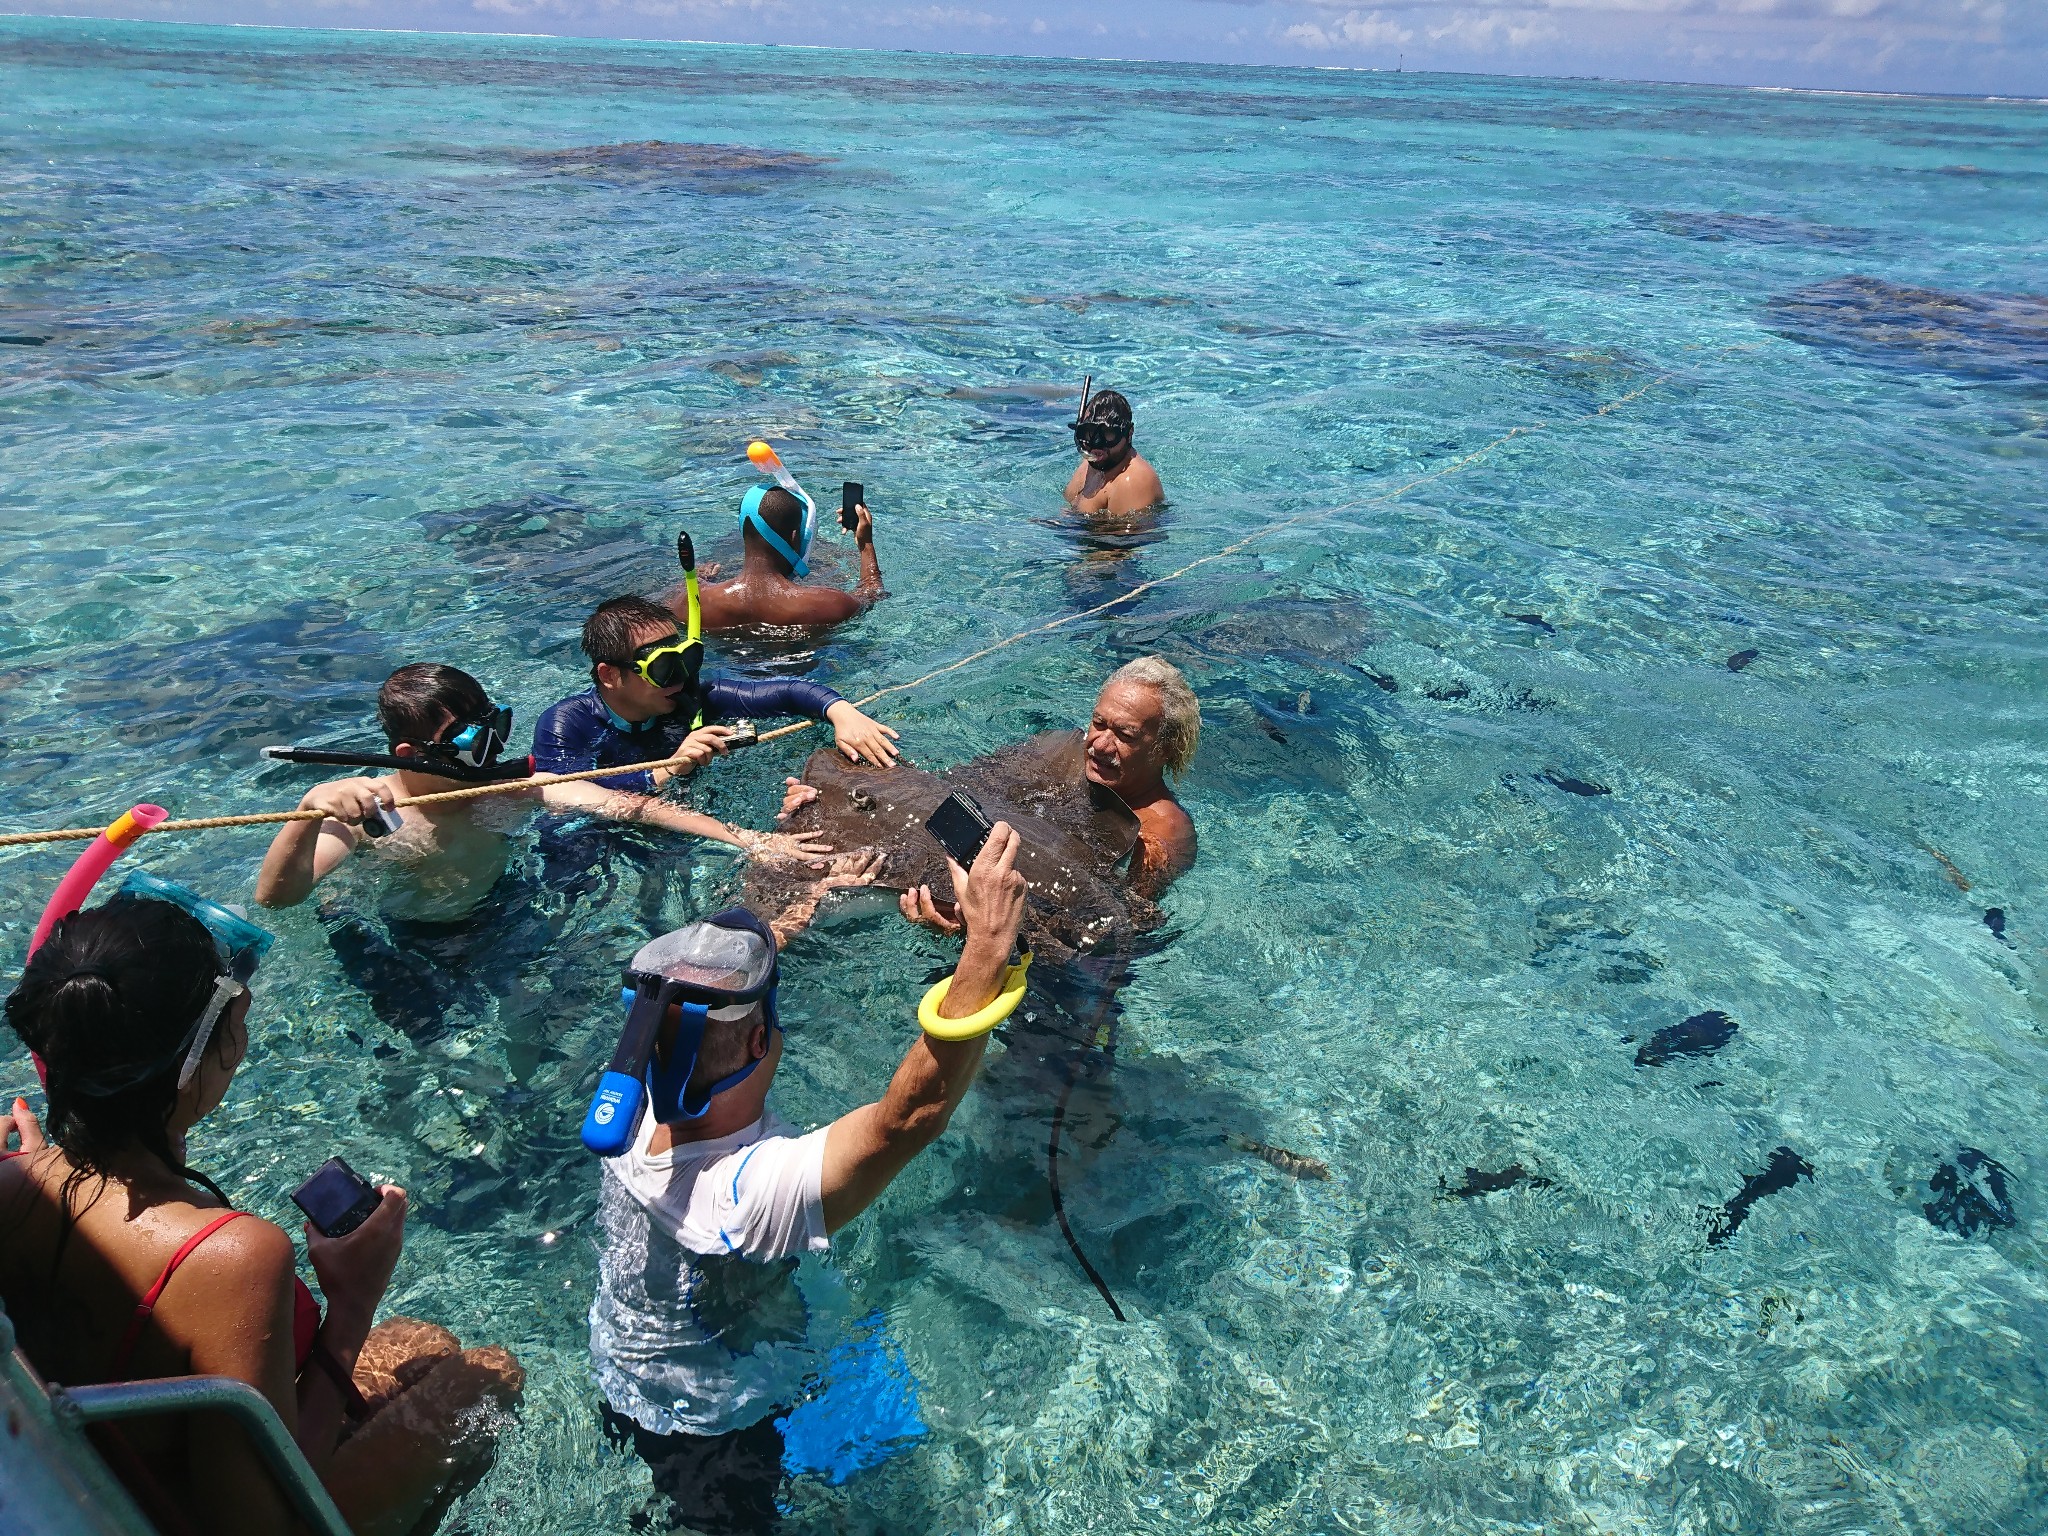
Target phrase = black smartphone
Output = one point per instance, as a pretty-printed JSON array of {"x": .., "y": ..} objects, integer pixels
[
  {"x": 337, "y": 1199},
  {"x": 961, "y": 826},
  {"x": 851, "y": 494}
]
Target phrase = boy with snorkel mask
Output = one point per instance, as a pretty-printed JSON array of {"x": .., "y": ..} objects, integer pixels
[
  {"x": 1111, "y": 476},
  {"x": 649, "y": 699},
  {"x": 444, "y": 733}
]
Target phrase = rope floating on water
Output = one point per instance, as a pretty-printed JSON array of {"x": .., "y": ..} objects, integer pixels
[{"x": 541, "y": 781}]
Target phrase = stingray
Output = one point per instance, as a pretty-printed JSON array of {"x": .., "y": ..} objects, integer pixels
[{"x": 1074, "y": 835}]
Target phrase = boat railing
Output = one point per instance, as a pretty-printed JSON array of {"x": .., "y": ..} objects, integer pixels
[{"x": 56, "y": 1481}]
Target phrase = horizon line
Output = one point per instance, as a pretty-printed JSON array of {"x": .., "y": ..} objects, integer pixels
[{"x": 1055, "y": 58}]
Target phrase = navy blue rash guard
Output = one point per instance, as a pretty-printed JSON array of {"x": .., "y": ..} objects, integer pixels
[{"x": 580, "y": 733}]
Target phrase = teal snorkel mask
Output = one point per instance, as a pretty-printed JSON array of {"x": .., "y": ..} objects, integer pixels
[{"x": 750, "y": 517}]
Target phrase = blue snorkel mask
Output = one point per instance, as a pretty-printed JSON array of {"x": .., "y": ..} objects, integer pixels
[
  {"x": 750, "y": 517},
  {"x": 720, "y": 969}
]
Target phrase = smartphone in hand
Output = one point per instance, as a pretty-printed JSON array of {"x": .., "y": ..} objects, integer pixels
[
  {"x": 851, "y": 495},
  {"x": 337, "y": 1199},
  {"x": 961, "y": 826}
]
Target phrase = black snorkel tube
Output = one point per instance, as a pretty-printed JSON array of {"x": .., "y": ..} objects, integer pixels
[{"x": 439, "y": 767}]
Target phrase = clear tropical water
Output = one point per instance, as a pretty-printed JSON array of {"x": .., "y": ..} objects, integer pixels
[{"x": 327, "y": 352}]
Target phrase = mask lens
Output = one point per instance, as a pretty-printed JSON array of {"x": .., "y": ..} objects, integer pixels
[
  {"x": 667, "y": 667},
  {"x": 1094, "y": 436}
]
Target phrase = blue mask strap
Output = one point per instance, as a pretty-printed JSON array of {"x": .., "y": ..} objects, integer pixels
[
  {"x": 750, "y": 517},
  {"x": 667, "y": 1084},
  {"x": 675, "y": 1078}
]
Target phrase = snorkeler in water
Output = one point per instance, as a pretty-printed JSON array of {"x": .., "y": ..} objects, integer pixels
[
  {"x": 1111, "y": 476},
  {"x": 449, "y": 856},
  {"x": 774, "y": 586}
]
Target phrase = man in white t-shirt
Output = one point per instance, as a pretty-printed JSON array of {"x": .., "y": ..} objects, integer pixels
[{"x": 698, "y": 1336}]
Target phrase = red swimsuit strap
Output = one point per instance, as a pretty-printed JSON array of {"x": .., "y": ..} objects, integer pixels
[{"x": 147, "y": 1305}]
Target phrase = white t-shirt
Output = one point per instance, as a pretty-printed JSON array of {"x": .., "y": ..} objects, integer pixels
[{"x": 698, "y": 1325}]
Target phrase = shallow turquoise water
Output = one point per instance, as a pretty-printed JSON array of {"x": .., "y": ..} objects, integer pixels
[{"x": 283, "y": 310}]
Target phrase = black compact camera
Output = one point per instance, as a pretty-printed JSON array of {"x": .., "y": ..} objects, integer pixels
[
  {"x": 337, "y": 1199},
  {"x": 961, "y": 826}
]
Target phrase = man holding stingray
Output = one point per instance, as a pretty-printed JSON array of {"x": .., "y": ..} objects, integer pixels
[{"x": 1082, "y": 801}]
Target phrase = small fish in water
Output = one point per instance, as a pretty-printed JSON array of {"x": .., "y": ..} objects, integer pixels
[
  {"x": 1701, "y": 1035},
  {"x": 1304, "y": 704},
  {"x": 1570, "y": 785},
  {"x": 1445, "y": 693},
  {"x": 1740, "y": 660},
  {"x": 1479, "y": 1182},
  {"x": 1535, "y": 621},
  {"x": 1785, "y": 1169},
  {"x": 1287, "y": 1162},
  {"x": 1970, "y": 1194},
  {"x": 1948, "y": 866},
  {"x": 1272, "y": 730},
  {"x": 1994, "y": 919},
  {"x": 1380, "y": 680}
]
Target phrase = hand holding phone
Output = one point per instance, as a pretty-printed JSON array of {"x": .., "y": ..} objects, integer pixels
[
  {"x": 337, "y": 1199},
  {"x": 961, "y": 826},
  {"x": 852, "y": 494}
]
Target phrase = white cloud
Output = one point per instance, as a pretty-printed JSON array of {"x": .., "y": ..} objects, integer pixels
[{"x": 1351, "y": 30}]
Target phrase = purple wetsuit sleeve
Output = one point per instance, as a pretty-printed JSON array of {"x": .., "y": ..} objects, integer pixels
[{"x": 731, "y": 698}]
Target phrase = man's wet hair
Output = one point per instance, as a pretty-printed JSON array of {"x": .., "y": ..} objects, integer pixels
[
  {"x": 1180, "y": 726},
  {"x": 784, "y": 514},
  {"x": 608, "y": 633},
  {"x": 417, "y": 701},
  {"x": 1110, "y": 408}
]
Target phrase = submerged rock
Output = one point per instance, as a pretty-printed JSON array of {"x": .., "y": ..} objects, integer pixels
[
  {"x": 1998, "y": 335},
  {"x": 1760, "y": 228}
]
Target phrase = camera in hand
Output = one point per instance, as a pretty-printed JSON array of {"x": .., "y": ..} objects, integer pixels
[
  {"x": 961, "y": 826},
  {"x": 851, "y": 494},
  {"x": 337, "y": 1199}
]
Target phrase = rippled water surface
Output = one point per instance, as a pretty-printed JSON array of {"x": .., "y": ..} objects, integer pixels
[{"x": 320, "y": 353}]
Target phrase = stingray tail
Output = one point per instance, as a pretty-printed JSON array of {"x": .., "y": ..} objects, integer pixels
[{"x": 1102, "y": 1033}]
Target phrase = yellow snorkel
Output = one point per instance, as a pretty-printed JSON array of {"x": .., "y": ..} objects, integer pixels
[{"x": 686, "y": 557}]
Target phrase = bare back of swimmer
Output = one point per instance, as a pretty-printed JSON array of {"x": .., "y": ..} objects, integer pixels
[{"x": 767, "y": 592}]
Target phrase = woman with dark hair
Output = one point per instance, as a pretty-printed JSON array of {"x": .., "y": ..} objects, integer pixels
[{"x": 119, "y": 1262}]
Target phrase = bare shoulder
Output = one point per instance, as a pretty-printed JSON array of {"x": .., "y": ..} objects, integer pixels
[
  {"x": 252, "y": 1252},
  {"x": 1140, "y": 486},
  {"x": 1172, "y": 824}
]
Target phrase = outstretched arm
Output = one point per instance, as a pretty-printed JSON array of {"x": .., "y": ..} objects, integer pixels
[
  {"x": 646, "y": 810},
  {"x": 306, "y": 852},
  {"x": 870, "y": 588},
  {"x": 867, "y": 1148}
]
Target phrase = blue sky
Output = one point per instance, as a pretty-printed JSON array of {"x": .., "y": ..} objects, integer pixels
[{"x": 1990, "y": 47}]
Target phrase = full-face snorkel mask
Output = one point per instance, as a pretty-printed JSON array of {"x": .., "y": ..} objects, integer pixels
[
  {"x": 240, "y": 946},
  {"x": 765, "y": 459},
  {"x": 721, "y": 968},
  {"x": 750, "y": 517}
]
